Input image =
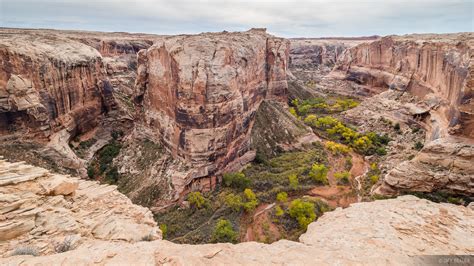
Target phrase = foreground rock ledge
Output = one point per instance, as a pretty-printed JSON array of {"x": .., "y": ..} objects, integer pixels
[{"x": 110, "y": 229}]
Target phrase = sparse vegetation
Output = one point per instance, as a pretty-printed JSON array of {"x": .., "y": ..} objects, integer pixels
[
  {"x": 224, "y": 232},
  {"x": 293, "y": 181},
  {"x": 66, "y": 245},
  {"x": 196, "y": 200},
  {"x": 319, "y": 173},
  {"x": 26, "y": 250},
  {"x": 342, "y": 177},
  {"x": 302, "y": 211},
  {"x": 282, "y": 197}
]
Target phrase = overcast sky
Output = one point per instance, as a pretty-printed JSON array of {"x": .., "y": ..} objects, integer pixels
[{"x": 297, "y": 18}]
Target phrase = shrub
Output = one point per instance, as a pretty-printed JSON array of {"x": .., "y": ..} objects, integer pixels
[
  {"x": 326, "y": 122},
  {"x": 164, "y": 230},
  {"x": 337, "y": 148},
  {"x": 345, "y": 104},
  {"x": 293, "y": 181},
  {"x": 342, "y": 177},
  {"x": 311, "y": 120},
  {"x": 234, "y": 201},
  {"x": 251, "y": 200},
  {"x": 236, "y": 180},
  {"x": 223, "y": 232},
  {"x": 374, "y": 179},
  {"x": 303, "y": 212},
  {"x": 279, "y": 211},
  {"x": 348, "y": 162},
  {"x": 362, "y": 144},
  {"x": 28, "y": 250},
  {"x": 91, "y": 171},
  {"x": 319, "y": 173},
  {"x": 381, "y": 151},
  {"x": 282, "y": 197},
  {"x": 196, "y": 200},
  {"x": 396, "y": 127},
  {"x": 64, "y": 246},
  {"x": 418, "y": 146},
  {"x": 293, "y": 112}
]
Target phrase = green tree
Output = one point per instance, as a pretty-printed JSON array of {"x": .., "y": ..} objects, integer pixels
[
  {"x": 293, "y": 180},
  {"x": 319, "y": 173},
  {"x": 236, "y": 180},
  {"x": 197, "y": 200},
  {"x": 223, "y": 232},
  {"x": 303, "y": 212},
  {"x": 251, "y": 200},
  {"x": 279, "y": 211},
  {"x": 282, "y": 197},
  {"x": 234, "y": 201}
]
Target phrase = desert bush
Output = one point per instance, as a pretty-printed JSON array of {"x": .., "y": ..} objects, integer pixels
[
  {"x": 337, "y": 148},
  {"x": 223, "y": 232},
  {"x": 282, "y": 197},
  {"x": 303, "y": 212},
  {"x": 374, "y": 179},
  {"x": 26, "y": 250},
  {"x": 197, "y": 200},
  {"x": 164, "y": 230},
  {"x": 396, "y": 127},
  {"x": 251, "y": 200},
  {"x": 311, "y": 120},
  {"x": 418, "y": 146},
  {"x": 236, "y": 180},
  {"x": 66, "y": 245},
  {"x": 234, "y": 201},
  {"x": 342, "y": 177},
  {"x": 293, "y": 181},
  {"x": 319, "y": 173},
  {"x": 348, "y": 162},
  {"x": 279, "y": 211}
]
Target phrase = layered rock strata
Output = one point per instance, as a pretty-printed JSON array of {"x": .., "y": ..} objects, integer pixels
[
  {"x": 42, "y": 209},
  {"x": 200, "y": 94},
  {"x": 49, "y": 83},
  {"x": 39, "y": 209},
  {"x": 436, "y": 69}
]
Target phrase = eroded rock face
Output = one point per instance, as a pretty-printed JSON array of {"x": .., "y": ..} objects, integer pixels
[
  {"x": 436, "y": 69},
  {"x": 42, "y": 209},
  {"x": 200, "y": 93},
  {"x": 389, "y": 232},
  {"x": 48, "y": 83}
]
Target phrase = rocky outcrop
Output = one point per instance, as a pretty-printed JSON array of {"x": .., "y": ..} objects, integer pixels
[
  {"x": 390, "y": 232},
  {"x": 436, "y": 69},
  {"x": 48, "y": 83},
  {"x": 200, "y": 94},
  {"x": 42, "y": 209},
  {"x": 442, "y": 165}
]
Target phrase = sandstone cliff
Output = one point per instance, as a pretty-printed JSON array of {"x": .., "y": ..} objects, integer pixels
[
  {"x": 49, "y": 83},
  {"x": 43, "y": 209},
  {"x": 39, "y": 209},
  {"x": 200, "y": 93},
  {"x": 436, "y": 69}
]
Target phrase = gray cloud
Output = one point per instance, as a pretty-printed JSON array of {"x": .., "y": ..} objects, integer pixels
[{"x": 281, "y": 17}]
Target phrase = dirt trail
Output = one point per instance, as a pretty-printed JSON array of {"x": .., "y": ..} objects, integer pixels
[{"x": 261, "y": 228}]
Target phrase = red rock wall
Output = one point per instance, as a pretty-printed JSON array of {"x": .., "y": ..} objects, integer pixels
[
  {"x": 53, "y": 83},
  {"x": 200, "y": 93},
  {"x": 435, "y": 69}
]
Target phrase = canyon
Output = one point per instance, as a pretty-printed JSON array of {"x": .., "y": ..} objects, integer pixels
[{"x": 92, "y": 125}]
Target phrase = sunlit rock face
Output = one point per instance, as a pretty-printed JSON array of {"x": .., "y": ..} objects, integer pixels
[{"x": 200, "y": 93}]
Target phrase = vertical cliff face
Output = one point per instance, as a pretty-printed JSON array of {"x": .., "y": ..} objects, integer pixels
[
  {"x": 48, "y": 83},
  {"x": 438, "y": 70},
  {"x": 200, "y": 93},
  {"x": 435, "y": 68}
]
